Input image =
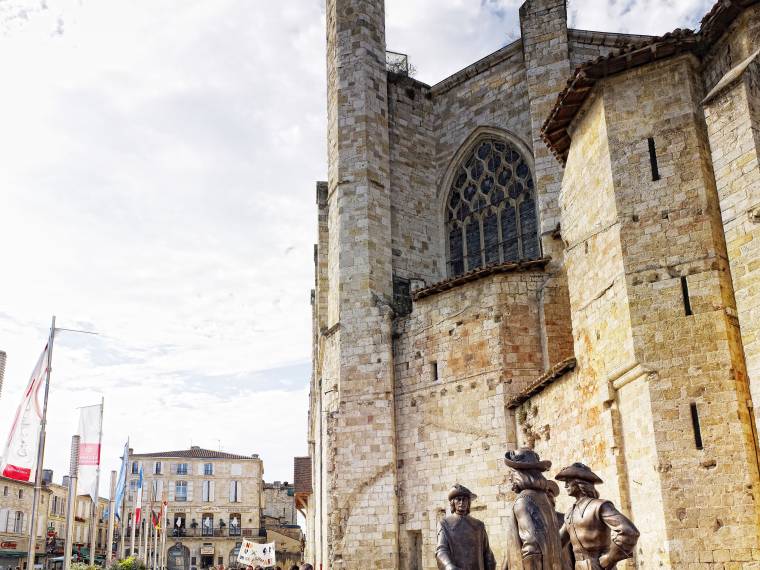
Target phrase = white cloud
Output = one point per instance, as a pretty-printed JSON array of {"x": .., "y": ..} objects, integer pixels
[{"x": 159, "y": 159}]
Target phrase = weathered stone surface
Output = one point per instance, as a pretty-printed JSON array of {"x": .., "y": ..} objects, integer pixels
[{"x": 651, "y": 288}]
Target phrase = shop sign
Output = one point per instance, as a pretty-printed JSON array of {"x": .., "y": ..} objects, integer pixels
[
  {"x": 8, "y": 545},
  {"x": 206, "y": 550}
]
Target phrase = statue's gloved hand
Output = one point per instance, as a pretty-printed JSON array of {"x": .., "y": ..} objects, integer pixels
[{"x": 533, "y": 562}]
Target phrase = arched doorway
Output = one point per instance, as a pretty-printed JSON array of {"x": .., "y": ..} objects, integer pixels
[
  {"x": 233, "y": 560},
  {"x": 178, "y": 557}
]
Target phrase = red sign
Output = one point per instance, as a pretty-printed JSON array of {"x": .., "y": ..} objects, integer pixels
[
  {"x": 9, "y": 544},
  {"x": 89, "y": 454}
]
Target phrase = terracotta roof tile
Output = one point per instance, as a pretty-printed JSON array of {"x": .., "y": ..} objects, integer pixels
[
  {"x": 195, "y": 453},
  {"x": 579, "y": 86},
  {"x": 302, "y": 475},
  {"x": 511, "y": 266}
]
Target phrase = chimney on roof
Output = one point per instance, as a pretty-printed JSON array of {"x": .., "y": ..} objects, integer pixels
[
  {"x": 195, "y": 447},
  {"x": 65, "y": 481},
  {"x": 47, "y": 476},
  {"x": 255, "y": 455}
]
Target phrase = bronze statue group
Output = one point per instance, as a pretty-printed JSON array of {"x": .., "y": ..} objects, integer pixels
[{"x": 593, "y": 535}]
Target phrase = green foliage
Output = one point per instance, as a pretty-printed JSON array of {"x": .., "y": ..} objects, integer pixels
[
  {"x": 82, "y": 566},
  {"x": 130, "y": 563}
]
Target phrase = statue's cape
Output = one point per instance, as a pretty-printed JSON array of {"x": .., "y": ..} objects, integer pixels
[{"x": 548, "y": 536}]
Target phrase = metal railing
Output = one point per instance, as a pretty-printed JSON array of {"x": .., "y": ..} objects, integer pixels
[
  {"x": 397, "y": 62},
  {"x": 217, "y": 532}
]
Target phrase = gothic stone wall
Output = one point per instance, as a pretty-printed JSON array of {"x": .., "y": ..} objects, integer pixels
[
  {"x": 645, "y": 358},
  {"x": 451, "y": 427},
  {"x": 733, "y": 122}
]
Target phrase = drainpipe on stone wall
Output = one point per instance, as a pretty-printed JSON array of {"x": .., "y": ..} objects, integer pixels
[{"x": 392, "y": 387}]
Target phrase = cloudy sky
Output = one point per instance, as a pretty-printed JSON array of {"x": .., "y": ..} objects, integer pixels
[{"x": 157, "y": 169}]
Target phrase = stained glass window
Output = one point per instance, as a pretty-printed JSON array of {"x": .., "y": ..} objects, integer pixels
[{"x": 491, "y": 210}]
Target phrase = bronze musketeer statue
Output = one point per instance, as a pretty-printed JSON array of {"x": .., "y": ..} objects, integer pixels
[
  {"x": 462, "y": 539},
  {"x": 533, "y": 541},
  {"x": 600, "y": 534}
]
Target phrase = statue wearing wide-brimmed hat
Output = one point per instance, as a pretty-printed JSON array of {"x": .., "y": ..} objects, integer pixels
[
  {"x": 462, "y": 539},
  {"x": 601, "y": 535},
  {"x": 533, "y": 541}
]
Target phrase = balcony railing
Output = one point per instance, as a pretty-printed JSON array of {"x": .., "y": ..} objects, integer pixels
[{"x": 213, "y": 532}]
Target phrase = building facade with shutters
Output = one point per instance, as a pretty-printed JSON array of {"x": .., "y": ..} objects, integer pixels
[
  {"x": 15, "y": 512},
  {"x": 214, "y": 501},
  {"x": 557, "y": 246}
]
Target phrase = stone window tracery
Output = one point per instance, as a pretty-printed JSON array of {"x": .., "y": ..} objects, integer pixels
[{"x": 491, "y": 213}]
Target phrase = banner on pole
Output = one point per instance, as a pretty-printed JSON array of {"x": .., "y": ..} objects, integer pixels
[
  {"x": 252, "y": 553},
  {"x": 20, "y": 455},
  {"x": 89, "y": 449},
  {"x": 138, "y": 502}
]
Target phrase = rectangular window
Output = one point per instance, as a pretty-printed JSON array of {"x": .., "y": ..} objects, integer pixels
[
  {"x": 653, "y": 159},
  {"x": 434, "y": 371},
  {"x": 135, "y": 468},
  {"x": 207, "y": 524},
  {"x": 235, "y": 524},
  {"x": 18, "y": 522},
  {"x": 696, "y": 427},
  {"x": 20, "y": 493},
  {"x": 685, "y": 294},
  {"x": 206, "y": 493},
  {"x": 180, "y": 491},
  {"x": 157, "y": 468},
  {"x": 5, "y": 491},
  {"x": 132, "y": 491},
  {"x": 181, "y": 468},
  {"x": 236, "y": 492},
  {"x": 208, "y": 468}
]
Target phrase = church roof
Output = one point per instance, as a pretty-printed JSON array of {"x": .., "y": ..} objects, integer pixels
[{"x": 571, "y": 99}]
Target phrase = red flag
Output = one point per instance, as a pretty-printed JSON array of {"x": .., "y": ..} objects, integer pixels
[{"x": 20, "y": 457}]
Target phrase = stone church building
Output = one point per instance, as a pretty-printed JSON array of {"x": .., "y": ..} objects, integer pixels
[{"x": 557, "y": 246}]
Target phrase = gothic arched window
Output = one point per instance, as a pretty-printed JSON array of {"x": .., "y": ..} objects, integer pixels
[{"x": 491, "y": 211}]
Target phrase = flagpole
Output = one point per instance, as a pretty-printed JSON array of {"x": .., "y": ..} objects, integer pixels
[
  {"x": 72, "y": 499},
  {"x": 123, "y": 510},
  {"x": 111, "y": 519},
  {"x": 144, "y": 539},
  {"x": 40, "y": 455},
  {"x": 134, "y": 519},
  {"x": 94, "y": 507},
  {"x": 155, "y": 546},
  {"x": 164, "y": 530}
]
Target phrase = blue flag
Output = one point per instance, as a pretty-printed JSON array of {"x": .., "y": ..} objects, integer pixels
[{"x": 121, "y": 484}]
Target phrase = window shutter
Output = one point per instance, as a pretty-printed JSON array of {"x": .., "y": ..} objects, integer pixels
[
  {"x": 199, "y": 468},
  {"x": 232, "y": 491},
  {"x": 160, "y": 488},
  {"x": 189, "y": 491},
  {"x": 3, "y": 520},
  {"x": 172, "y": 485},
  {"x": 239, "y": 491},
  {"x": 204, "y": 496},
  {"x": 211, "y": 483}
]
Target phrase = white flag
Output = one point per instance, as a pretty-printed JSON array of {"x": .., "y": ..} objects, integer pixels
[
  {"x": 89, "y": 450},
  {"x": 252, "y": 554},
  {"x": 19, "y": 459}
]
